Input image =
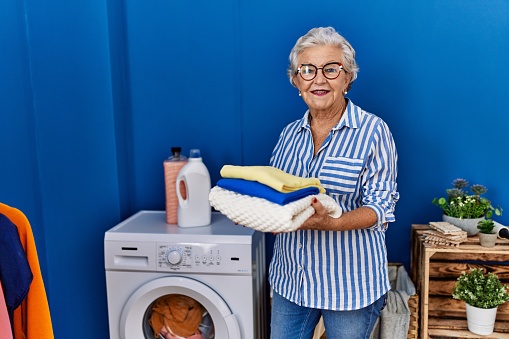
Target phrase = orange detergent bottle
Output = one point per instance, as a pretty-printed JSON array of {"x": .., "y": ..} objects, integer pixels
[{"x": 172, "y": 167}]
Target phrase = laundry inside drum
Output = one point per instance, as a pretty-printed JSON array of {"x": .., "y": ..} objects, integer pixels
[{"x": 177, "y": 316}]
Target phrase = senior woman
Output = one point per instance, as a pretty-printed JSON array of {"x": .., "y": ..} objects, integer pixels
[{"x": 335, "y": 268}]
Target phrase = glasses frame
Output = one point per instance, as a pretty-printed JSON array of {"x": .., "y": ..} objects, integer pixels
[{"x": 298, "y": 71}]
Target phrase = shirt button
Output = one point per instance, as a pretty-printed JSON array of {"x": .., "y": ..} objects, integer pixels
[
  {"x": 300, "y": 245},
  {"x": 300, "y": 268}
]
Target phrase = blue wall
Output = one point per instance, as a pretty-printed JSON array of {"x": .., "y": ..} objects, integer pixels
[{"x": 93, "y": 94}]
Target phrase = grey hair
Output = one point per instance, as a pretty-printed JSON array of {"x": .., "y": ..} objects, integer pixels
[{"x": 324, "y": 36}]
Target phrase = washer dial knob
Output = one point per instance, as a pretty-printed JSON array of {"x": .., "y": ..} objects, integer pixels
[{"x": 174, "y": 256}]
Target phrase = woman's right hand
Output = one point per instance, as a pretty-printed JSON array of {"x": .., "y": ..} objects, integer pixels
[{"x": 320, "y": 220}]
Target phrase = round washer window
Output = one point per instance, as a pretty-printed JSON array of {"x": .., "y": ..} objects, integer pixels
[{"x": 176, "y": 316}]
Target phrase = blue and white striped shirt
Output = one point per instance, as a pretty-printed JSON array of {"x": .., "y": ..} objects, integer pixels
[{"x": 357, "y": 165}]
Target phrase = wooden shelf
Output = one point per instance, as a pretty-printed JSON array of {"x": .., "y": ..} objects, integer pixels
[{"x": 435, "y": 269}]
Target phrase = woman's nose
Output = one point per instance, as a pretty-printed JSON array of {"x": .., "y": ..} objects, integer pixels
[{"x": 320, "y": 78}]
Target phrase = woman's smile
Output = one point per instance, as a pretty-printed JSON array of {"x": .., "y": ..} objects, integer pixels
[{"x": 320, "y": 92}]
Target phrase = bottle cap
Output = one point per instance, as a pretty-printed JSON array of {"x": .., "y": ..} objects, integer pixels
[{"x": 194, "y": 154}]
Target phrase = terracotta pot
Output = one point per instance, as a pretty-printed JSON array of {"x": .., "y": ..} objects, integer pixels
[{"x": 467, "y": 225}]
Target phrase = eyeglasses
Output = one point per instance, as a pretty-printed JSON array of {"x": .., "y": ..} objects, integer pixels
[{"x": 330, "y": 71}]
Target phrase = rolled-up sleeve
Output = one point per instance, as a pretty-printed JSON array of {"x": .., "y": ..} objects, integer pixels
[{"x": 379, "y": 183}]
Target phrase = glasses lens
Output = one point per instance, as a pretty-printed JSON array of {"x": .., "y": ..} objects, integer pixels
[
  {"x": 332, "y": 70},
  {"x": 307, "y": 72}
]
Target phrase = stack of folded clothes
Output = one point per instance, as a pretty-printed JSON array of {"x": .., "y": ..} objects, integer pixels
[{"x": 268, "y": 199}]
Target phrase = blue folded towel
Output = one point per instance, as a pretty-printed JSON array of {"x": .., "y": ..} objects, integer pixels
[{"x": 256, "y": 189}]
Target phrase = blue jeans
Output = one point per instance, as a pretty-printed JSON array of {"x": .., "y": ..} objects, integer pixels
[{"x": 290, "y": 320}]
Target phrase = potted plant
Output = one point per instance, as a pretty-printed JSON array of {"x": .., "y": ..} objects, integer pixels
[
  {"x": 487, "y": 237},
  {"x": 482, "y": 293},
  {"x": 466, "y": 210}
]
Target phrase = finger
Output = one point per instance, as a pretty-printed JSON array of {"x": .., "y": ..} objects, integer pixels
[{"x": 317, "y": 205}]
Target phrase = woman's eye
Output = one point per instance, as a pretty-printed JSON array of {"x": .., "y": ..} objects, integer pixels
[{"x": 307, "y": 70}]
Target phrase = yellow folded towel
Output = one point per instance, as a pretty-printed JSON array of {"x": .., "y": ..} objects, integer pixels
[{"x": 270, "y": 176}]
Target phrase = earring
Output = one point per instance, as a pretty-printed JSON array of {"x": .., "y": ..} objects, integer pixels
[
  {"x": 300, "y": 94},
  {"x": 346, "y": 92}
]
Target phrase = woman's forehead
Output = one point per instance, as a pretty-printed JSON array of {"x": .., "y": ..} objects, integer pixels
[{"x": 320, "y": 54}]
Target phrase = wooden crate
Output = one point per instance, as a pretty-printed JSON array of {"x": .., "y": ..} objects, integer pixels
[{"x": 435, "y": 269}]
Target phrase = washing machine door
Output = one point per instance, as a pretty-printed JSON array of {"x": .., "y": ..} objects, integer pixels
[{"x": 133, "y": 318}]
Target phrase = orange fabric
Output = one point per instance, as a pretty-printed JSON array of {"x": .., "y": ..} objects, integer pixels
[
  {"x": 182, "y": 314},
  {"x": 32, "y": 320}
]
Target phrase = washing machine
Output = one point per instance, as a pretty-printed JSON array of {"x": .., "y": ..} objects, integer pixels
[{"x": 220, "y": 266}]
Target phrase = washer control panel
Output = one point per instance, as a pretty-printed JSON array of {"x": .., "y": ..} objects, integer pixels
[{"x": 224, "y": 258}]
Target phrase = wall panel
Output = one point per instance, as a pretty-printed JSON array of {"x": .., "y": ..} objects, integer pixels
[{"x": 93, "y": 96}]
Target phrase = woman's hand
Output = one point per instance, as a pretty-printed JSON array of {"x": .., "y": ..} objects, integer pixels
[
  {"x": 320, "y": 220},
  {"x": 361, "y": 217}
]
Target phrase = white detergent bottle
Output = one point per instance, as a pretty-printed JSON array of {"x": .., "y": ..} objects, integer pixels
[{"x": 193, "y": 188}]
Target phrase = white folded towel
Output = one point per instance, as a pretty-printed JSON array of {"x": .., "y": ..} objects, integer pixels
[{"x": 265, "y": 216}]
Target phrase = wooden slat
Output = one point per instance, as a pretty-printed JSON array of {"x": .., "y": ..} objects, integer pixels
[
  {"x": 444, "y": 334},
  {"x": 452, "y": 270},
  {"x": 441, "y": 287},
  {"x": 449, "y": 307},
  {"x": 470, "y": 256},
  {"x": 415, "y": 255},
  {"x": 461, "y": 324}
]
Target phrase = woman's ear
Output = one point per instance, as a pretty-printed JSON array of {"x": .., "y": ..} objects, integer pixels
[
  {"x": 295, "y": 82},
  {"x": 348, "y": 83}
]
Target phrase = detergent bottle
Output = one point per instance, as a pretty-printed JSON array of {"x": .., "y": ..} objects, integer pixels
[
  {"x": 172, "y": 167},
  {"x": 193, "y": 188}
]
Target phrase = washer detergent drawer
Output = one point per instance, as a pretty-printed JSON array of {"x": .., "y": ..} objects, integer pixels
[{"x": 126, "y": 255}]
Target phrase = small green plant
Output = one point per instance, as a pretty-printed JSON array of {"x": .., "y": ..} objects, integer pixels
[
  {"x": 486, "y": 226},
  {"x": 479, "y": 289},
  {"x": 459, "y": 204}
]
